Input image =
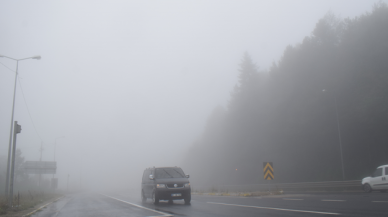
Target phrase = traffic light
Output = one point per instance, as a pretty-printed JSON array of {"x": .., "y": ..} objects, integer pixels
[{"x": 18, "y": 128}]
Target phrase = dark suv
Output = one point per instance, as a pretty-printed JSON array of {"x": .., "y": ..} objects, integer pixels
[{"x": 165, "y": 183}]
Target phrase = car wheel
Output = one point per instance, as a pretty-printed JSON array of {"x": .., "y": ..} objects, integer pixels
[
  {"x": 187, "y": 199},
  {"x": 155, "y": 199},
  {"x": 367, "y": 188},
  {"x": 143, "y": 197}
]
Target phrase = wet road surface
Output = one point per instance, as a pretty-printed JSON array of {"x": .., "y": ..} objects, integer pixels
[{"x": 129, "y": 204}]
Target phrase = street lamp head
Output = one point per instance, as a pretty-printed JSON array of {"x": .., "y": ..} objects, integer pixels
[{"x": 36, "y": 57}]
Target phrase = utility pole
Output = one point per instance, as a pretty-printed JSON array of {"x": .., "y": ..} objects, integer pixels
[
  {"x": 40, "y": 159},
  {"x": 80, "y": 179},
  {"x": 41, "y": 149},
  {"x": 339, "y": 138},
  {"x": 67, "y": 189},
  {"x": 80, "y": 174},
  {"x": 17, "y": 129},
  {"x": 55, "y": 148},
  {"x": 339, "y": 135}
]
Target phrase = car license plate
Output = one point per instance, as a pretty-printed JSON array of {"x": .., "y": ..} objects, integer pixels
[{"x": 176, "y": 195}]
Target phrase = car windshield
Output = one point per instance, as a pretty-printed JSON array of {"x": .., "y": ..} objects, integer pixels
[
  {"x": 378, "y": 172},
  {"x": 163, "y": 173}
]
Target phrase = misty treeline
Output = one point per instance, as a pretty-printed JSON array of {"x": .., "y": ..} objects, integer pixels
[{"x": 288, "y": 115}]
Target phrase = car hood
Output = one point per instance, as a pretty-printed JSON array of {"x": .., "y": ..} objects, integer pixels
[
  {"x": 365, "y": 179},
  {"x": 172, "y": 181}
]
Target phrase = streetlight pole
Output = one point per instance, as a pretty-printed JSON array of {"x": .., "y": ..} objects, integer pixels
[
  {"x": 55, "y": 147},
  {"x": 339, "y": 136},
  {"x": 13, "y": 109},
  {"x": 67, "y": 188}
]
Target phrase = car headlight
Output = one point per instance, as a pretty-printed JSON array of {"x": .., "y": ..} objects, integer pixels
[
  {"x": 187, "y": 185},
  {"x": 160, "y": 185}
]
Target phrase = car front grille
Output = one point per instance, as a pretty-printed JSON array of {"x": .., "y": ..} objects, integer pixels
[{"x": 172, "y": 186}]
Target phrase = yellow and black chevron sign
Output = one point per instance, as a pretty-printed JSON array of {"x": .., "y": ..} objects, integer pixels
[{"x": 268, "y": 171}]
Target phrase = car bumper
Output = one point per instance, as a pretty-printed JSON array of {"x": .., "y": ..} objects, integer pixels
[{"x": 167, "y": 194}]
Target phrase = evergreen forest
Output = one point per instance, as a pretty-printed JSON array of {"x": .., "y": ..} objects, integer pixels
[{"x": 319, "y": 114}]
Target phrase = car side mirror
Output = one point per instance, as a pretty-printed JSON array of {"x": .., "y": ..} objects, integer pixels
[
  {"x": 187, "y": 176},
  {"x": 151, "y": 177}
]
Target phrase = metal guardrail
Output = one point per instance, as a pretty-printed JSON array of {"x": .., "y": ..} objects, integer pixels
[{"x": 301, "y": 186}]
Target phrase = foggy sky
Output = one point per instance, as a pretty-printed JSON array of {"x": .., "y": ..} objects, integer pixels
[{"x": 130, "y": 84}]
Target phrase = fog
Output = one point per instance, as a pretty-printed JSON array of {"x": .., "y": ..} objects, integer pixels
[{"x": 126, "y": 85}]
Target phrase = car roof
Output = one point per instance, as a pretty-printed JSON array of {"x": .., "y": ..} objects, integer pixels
[
  {"x": 383, "y": 166},
  {"x": 165, "y": 167},
  {"x": 160, "y": 167}
]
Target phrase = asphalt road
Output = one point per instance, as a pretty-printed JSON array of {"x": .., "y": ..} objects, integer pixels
[{"x": 129, "y": 204}]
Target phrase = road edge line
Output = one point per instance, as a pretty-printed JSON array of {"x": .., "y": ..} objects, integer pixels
[
  {"x": 274, "y": 208},
  {"x": 28, "y": 214}
]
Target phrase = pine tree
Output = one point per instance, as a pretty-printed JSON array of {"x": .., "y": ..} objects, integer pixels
[{"x": 247, "y": 84}]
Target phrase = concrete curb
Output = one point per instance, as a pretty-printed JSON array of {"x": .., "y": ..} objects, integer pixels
[{"x": 42, "y": 207}]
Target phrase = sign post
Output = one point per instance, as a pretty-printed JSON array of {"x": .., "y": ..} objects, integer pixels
[{"x": 54, "y": 183}]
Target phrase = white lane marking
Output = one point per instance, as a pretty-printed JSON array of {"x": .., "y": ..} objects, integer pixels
[
  {"x": 335, "y": 200},
  {"x": 292, "y": 210},
  {"x": 292, "y": 199},
  {"x": 133, "y": 204},
  {"x": 379, "y": 201}
]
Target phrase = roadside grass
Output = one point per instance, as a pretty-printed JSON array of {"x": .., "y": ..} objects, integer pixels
[{"x": 25, "y": 200}]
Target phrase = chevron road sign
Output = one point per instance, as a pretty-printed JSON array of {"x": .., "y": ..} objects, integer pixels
[{"x": 268, "y": 171}]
